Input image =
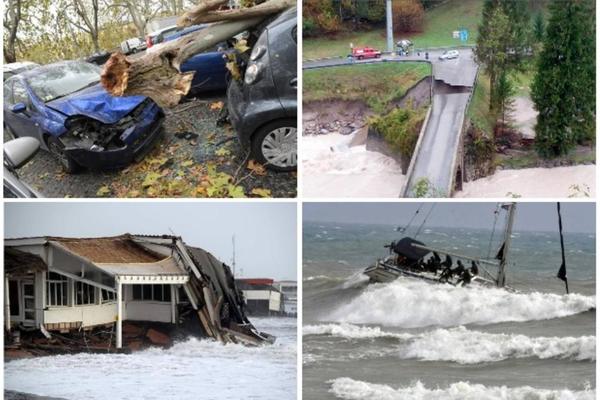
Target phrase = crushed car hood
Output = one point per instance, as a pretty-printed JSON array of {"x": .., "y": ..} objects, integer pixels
[{"x": 95, "y": 102}]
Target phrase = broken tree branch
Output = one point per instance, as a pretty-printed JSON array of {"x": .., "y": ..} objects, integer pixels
[
  {"x": 208, "y": 5},
  {"x": 202, "y": 14},
  {"x": 157, "y": 74}
]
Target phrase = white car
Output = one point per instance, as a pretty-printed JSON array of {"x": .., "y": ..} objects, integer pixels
[
  {"x": 449, "y": 55},
  {"x": 15, "y": 68},
  {"x": 132, "y": 45}
]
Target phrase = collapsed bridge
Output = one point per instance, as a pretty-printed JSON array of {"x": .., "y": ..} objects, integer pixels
[{"x": 437, "y": 160}]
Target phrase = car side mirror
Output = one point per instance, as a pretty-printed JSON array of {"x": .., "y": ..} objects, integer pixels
[
  {"x": 19, "y": 151},
  {"x": 18, "y": 108}
]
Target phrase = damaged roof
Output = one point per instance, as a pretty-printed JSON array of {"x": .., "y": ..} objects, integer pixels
[
  {"x": 115, "y": 250},
  {"x": 167, "y": 266},
  {"x": 17, "y": 261}
]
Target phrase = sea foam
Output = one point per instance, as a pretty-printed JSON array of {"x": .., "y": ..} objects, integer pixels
[
  {"x": 411, "y": 304},
  {"x": 462, "y": 345},
  {"x": 350, "y": 389}
]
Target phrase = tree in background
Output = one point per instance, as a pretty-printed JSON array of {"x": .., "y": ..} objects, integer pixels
[
  {"x": 492, "y": 50},
  {"x": 408, "y": 15},
  {"x": 505, "y": 92},
  {"x": 503, "y": 40},
  {"x": 12, "y": 19},
  {"x": 563, "y": 90},
  {"x": 87, "y": 18},
  {"x": 538, "y": 27},
  {"x": 141, "y": 12},
  {"x": 428, "y": 4},
  {"x": 319, "y": 16}
]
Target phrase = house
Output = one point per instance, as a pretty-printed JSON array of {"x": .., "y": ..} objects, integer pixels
[
  {"x": 262, "y": 298},
  {"x": 289, "y": 290},
  {"x": 66, "y": 284}
]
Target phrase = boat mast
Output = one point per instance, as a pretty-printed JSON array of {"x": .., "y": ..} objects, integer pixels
[{"x": 501, "y": 280}]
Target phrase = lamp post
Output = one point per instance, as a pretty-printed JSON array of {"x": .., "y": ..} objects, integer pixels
[{"x": 389, "y": 26}]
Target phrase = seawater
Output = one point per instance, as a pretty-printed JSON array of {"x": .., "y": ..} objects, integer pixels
[
  {"x": 192, "y": 369},
  {"x": 409, "y": 339}
]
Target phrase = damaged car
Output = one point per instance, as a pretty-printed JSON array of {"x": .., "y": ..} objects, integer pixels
[
  {"x": 64, "y": 106},
  {"x": 263, "y": 107}
]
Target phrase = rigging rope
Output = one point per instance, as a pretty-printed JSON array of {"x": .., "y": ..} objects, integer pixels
[
  {"x": 425, "y": 220},
  {"x": 399, "y": 229}
]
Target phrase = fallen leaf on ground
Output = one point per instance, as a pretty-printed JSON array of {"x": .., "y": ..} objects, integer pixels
[
  {"x": 150, "y": 179},
  {"x": 236, "y": 191},
  {"x": 257, "y": 168},
  {"x": 217, "y": 105},
  {"x": 261, "y": 192},
  {"x": 103, "y": 191},
  {"x": 222, "y": 152},
  {"x": 187, "y": 163}
]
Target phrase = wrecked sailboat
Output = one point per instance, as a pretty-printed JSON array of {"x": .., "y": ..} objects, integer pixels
[
  {"x": 57, "y": 286},
  {"x": 414, "y": 259}
]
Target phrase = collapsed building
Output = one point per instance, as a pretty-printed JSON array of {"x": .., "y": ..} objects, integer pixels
[{"x": 60, "y": 285}]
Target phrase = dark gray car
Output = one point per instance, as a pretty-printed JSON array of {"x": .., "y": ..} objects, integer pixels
[{"x": 263, "y": 108}]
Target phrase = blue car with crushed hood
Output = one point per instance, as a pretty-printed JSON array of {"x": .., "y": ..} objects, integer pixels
[{"x": 64, "y": 106}]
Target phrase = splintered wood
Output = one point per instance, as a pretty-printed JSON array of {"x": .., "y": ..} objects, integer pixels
[{"x": 157, "y": 74}]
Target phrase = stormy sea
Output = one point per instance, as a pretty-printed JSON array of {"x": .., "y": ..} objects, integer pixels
[
  {"x": 414, "y": 340},
  {"x": 193, "y": 369}
]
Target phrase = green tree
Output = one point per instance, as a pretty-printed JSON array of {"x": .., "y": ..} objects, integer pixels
[
  {"x": 491, "y": 50},
  {"x": 505, "y": 92},
  {"x": 563, "y": 89},
  {"x": 538, "y": 27},
  {"x": 503, "y": 39}
]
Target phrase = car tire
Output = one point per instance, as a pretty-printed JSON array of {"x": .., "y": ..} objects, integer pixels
[
  {"x": 377, "y": 55},
  {"x": 275, "y": 145},
  {"x": 359, "y": 58},
  {"x": 56, "y": 147}
]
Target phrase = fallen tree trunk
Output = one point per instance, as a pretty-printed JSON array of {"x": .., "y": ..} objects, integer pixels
[
  {"x": 157, "y": 74},
  {"x": 205, "y": 12}
]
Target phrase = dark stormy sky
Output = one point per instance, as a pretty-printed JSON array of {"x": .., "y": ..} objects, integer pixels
[
  {"x": 265, "y": 232},
  {"x": 577, "y": 216}
]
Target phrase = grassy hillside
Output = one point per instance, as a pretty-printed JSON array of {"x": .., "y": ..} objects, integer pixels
[
  {"x": 375, "y": 84},
  {"x": 439, "y": 24}
]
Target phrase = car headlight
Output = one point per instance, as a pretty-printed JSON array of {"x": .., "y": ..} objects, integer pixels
[
  {"x": 252, "y": 73},
  {"x": 257, "y": 52}
]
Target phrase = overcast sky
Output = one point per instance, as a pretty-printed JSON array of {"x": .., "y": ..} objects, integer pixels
[
  {"x": 265, "y": 233},
  {"x": 577, "y": 217}
]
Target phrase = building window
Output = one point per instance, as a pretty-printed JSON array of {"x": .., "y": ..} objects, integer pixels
[
  {"x": 84, "y": 294},
  {"x": 57, "y": 290},
  {"x": 152, "y": 292},
  {"x": 107, "y": 296},
  {"x": 13, "y": 292}
]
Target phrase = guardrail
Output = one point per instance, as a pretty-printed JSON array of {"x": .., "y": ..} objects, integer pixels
[
  {"x": 404, "y": 190},
  {"x": 462, "y": 129},
  {"x": 416, "y": 50}
]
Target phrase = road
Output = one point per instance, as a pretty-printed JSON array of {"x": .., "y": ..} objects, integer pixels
[{"x": 435, "y": 157}]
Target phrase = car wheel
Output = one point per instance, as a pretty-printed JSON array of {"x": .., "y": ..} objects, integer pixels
[
  {"x": 57, "y": 148},
  {"x": 359, "y": 58},
  {"x": 9, "y": 132},
  {"x": 276, "y": 145},
  {"x": 377, "y": 55}
]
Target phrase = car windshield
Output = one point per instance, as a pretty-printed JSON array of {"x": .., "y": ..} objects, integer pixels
[{"x": 61, "y": 80}]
